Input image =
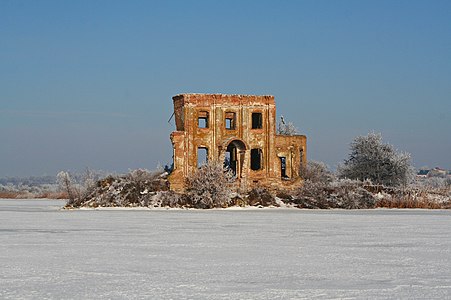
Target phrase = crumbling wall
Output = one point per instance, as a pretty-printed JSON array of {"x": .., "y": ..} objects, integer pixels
[{"x": 242, "y": 126}]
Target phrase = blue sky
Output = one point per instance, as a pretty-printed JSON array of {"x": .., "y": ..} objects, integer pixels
[{"x": 89, "y": 83}]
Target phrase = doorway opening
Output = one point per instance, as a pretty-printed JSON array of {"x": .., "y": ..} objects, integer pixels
[{"x": 234, "y": 157}]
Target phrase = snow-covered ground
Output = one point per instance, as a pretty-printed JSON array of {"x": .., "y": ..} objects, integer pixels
[{"x": 46, "y": 252}]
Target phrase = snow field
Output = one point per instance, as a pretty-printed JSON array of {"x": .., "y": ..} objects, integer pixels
[{"x": 48, "y": 253}]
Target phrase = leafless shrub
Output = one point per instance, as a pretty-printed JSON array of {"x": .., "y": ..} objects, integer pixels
[
  {"x": 238, "y": 200},
  {"x": 347, "y": 194},
  {"x": 351, "y": 194},
  {"x": 415, "y": 197},
  {"x": 285, "y": 196},
  {"x": 313, "y": 194},
  {"x": 433, "y": 184},
  {"x": 170, "y": 199},
  {"x": 66, "y": 185},
  {"x": 261, "y": 196},
  {"x": 317, "y": 171},
  {"x": 315, "y": 190},
  {"x": 209, "y": 186},
  {"x": 76, "y": 187},
  {"x": 9, "y": 195},
  {"x": 430, "y": 193}
]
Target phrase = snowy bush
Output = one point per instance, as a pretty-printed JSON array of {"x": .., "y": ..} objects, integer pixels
[
  {"x": 316, "y": 171},
  {"x": 344, "y": 193},
  {"x": 433, "y": 183},
  {"x": 414, "y": 197},
  {"x": 321, "y": 189},
  {"x": 378, "y": 162},
  {"x": 313, "y": 194},
  {"x": 352, "y": 194},
  {"x": 314, "y": 190},
  {"x": 209, "y": 186}
]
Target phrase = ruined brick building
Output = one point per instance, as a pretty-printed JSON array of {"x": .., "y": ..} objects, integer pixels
[{"x": 239, "y": 130}]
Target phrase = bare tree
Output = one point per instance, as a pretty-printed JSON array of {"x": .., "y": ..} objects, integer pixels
[
  {"x": 286, "y": 128},
  {"x": 65, "y": 184}
]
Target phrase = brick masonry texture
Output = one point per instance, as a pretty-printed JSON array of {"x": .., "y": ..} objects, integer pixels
[{"x": 239, "y": 130}]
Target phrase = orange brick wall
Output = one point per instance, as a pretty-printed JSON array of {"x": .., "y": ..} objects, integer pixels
[{"x": 188, "y": 137}]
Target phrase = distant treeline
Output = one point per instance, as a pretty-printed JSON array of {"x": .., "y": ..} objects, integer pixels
[{"x": 29, "y": 181}]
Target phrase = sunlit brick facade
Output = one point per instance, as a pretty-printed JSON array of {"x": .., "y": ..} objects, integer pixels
[{"x": 239, "y": 130}]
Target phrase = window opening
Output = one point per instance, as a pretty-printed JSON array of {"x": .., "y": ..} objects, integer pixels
[
  {"x": 283, "y": 167},
  {"x": 202, "y": 119},
  {"x": 230, "y": 120},
  {"x": 257, "y": 121},
  {"x": 256, "y": 159},
  {"x": 202, "y": 156},
  {"x": 301, "y": 163}
]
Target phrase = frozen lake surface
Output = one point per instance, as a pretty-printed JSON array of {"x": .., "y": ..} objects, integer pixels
[{"x": 48, "y": 253}]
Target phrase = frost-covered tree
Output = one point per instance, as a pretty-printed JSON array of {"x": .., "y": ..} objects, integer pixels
[
  {"x": 65, "y": 184},
  {"x": 371, "y": 159},
  {"x": 209, "y": 186},
  {"x": 76, "y": 186},
  {"x": 286, "y": 128}
]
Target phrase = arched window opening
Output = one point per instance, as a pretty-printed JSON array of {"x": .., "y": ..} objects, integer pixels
[{"x": 234, "y": 157}]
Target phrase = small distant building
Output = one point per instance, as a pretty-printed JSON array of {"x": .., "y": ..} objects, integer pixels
[
  {"x": 437, "y": 172},
  {"x": 239, "y": 130},
  {"x": 422, "y": 173}
]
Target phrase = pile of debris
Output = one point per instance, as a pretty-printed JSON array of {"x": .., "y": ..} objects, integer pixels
[
  {"x": 210, "y": 187},
  {"x": 142, "y": 188},
  {"x": 137, "y": 188}
]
